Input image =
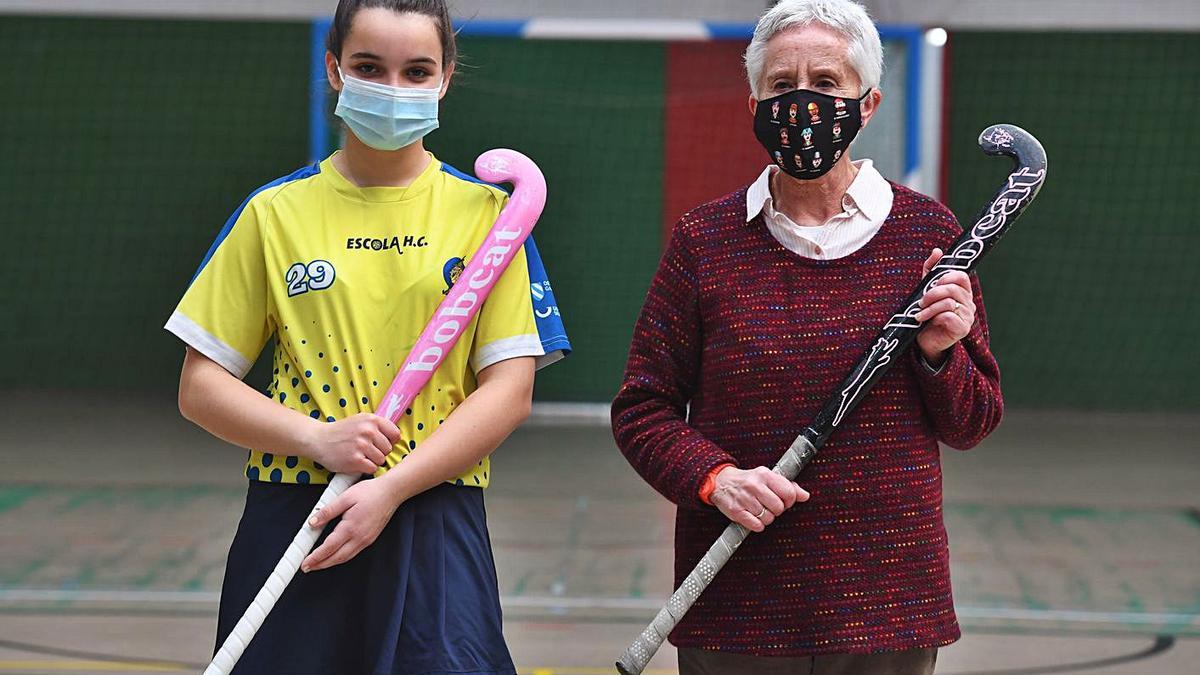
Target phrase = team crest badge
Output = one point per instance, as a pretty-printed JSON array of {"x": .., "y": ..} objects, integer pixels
[{"x": 451, "y": 271}]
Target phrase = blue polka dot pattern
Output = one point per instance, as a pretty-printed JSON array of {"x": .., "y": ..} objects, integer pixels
[
  {"x": 325, "y": 389},
  {"x": 316, "y": 414},
  {"x": 303, "y": 478},
  {"x": 420, "y": 426},
  {"x": 276, "y": 476},
  {"x": 304, "y": 398},
  {"x": 267, "y": 458},
  {"x": 364, "y": 400},
  {"x": 252, "y": 473},
  {"x": 335, "y": 369},
  {"x": 458, "y": 481},
  {"x": 291, "y": 462},
  {"x": 412, "y": 445},
  {"x": 295, "y": 382},
  {"x": 308, "y": 373},
  {"x": 282, "y": 397},
  {"x": 342, "y": 402},
  {"x": 330, "y": 419}
]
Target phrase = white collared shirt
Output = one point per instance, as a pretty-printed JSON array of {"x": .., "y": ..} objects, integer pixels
[{"x": 865, "y": 206}]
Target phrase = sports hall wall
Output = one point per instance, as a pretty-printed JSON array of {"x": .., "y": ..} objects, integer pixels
[{"x": 129, "y": 141}]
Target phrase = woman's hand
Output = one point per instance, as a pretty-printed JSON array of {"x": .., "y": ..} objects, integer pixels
[
  {"x": 356, "y": 444},
  {"x": 365, "y": 509},
  {"x": 948, "y": 312},
  {"x": 756, "y": 497}
]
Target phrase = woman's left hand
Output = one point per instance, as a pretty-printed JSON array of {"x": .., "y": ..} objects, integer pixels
[
  {"x": 948, "y": 312},
  {"x": 365, "y": 509}
]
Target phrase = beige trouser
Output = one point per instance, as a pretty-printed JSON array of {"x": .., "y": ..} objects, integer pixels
[{"x": 909, "y": 662}]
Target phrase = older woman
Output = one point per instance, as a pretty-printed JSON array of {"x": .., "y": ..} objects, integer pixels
[{"x": 763, "y": 301}]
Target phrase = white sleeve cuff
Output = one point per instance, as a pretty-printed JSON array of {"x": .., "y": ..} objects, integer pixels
[
  {"x": 208, "y": 344},
  {"x": 512, "y": 348}
]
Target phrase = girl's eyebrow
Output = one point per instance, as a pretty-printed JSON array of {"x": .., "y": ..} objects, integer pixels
[{"x": 366, "y": 55}]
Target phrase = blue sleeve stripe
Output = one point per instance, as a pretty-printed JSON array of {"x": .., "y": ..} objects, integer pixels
[
  {"x": 300, "y": 174},
  {"x": 545, "y": 307}
]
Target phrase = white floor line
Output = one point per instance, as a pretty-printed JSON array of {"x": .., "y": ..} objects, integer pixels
[
  {"x": 569, "y": 415},
  {"x": 648, "y": 605}
]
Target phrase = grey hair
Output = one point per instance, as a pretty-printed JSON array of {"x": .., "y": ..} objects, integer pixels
[{"x": 846, "y": 17}]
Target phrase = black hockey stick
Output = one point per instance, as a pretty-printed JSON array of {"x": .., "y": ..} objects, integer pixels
[{"x": 901, "y": 329}]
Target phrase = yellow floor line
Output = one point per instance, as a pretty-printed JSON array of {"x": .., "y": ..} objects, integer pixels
[
  {"x": 91, "y": 666},
  {"x": 589, "y": 671},
  {"x": 117, "y": 666}
]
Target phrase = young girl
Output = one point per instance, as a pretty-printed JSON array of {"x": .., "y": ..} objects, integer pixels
[{"x": 343, "y": 263}]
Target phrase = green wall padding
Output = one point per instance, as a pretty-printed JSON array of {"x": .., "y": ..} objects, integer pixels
[
  {"x": 129, "y": 142},
  {"x": 126, "y": 146},
  {"x": 1092, "y": 297},
  {"x": 590, "y": 115}
]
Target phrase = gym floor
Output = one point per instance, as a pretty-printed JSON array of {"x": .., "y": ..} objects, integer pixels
[{"x": 1075, "y": 542}]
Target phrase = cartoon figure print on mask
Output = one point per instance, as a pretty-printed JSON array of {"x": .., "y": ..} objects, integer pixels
[{"x": 822, "y": 137}]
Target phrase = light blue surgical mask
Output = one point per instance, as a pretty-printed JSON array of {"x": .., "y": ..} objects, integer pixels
[{"x": 384, "y": 117}]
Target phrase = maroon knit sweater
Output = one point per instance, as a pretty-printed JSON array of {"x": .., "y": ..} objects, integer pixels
[{"x": 755, "y": 338}]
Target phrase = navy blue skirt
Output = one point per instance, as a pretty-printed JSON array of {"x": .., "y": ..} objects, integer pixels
[{"x": 422, "y": 599}]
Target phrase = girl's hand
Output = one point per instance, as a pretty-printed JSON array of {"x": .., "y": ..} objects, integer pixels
[
  {"x": 356, "y": 444},
  {"x": 948, "y": 312},
  {"x": 365, "y": 509}
]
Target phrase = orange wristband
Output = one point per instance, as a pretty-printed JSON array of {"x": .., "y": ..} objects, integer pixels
[{"x": 710, "y": 483}]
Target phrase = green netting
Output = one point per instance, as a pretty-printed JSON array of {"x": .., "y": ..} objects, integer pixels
[
  {"x": 590, "y": 115},
  {"x": 126, "y": 145},
  {"x": 1092, "y": 296}
]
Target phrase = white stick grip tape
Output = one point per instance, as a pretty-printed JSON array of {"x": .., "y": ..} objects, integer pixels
[
  {"x": 634, "y": 660},
  {"x": 231, "y": 650}
]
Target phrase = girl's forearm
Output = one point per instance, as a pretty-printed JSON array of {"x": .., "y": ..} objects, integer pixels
[
  {"x": 477, "y": 427},
  {"x": 230, "y": 409}
]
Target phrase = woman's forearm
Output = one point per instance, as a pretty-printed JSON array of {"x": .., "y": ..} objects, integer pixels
[
  {"x": 231, "y": 410},
  {"x": 477, "y": 427}
]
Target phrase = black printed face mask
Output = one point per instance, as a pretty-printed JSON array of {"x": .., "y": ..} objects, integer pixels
[{"x": 806, "y": 132}]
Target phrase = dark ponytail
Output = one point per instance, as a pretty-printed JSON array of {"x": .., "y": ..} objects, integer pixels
[{"x": 434, "y": 9}]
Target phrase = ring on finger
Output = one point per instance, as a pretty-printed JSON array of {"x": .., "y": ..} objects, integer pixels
[
  {"x": 957, "y": 306},
  {"x": 761, "y": 513}
]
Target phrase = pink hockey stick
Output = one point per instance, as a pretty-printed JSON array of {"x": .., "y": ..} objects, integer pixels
[{"x": 452, "y": 316}]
